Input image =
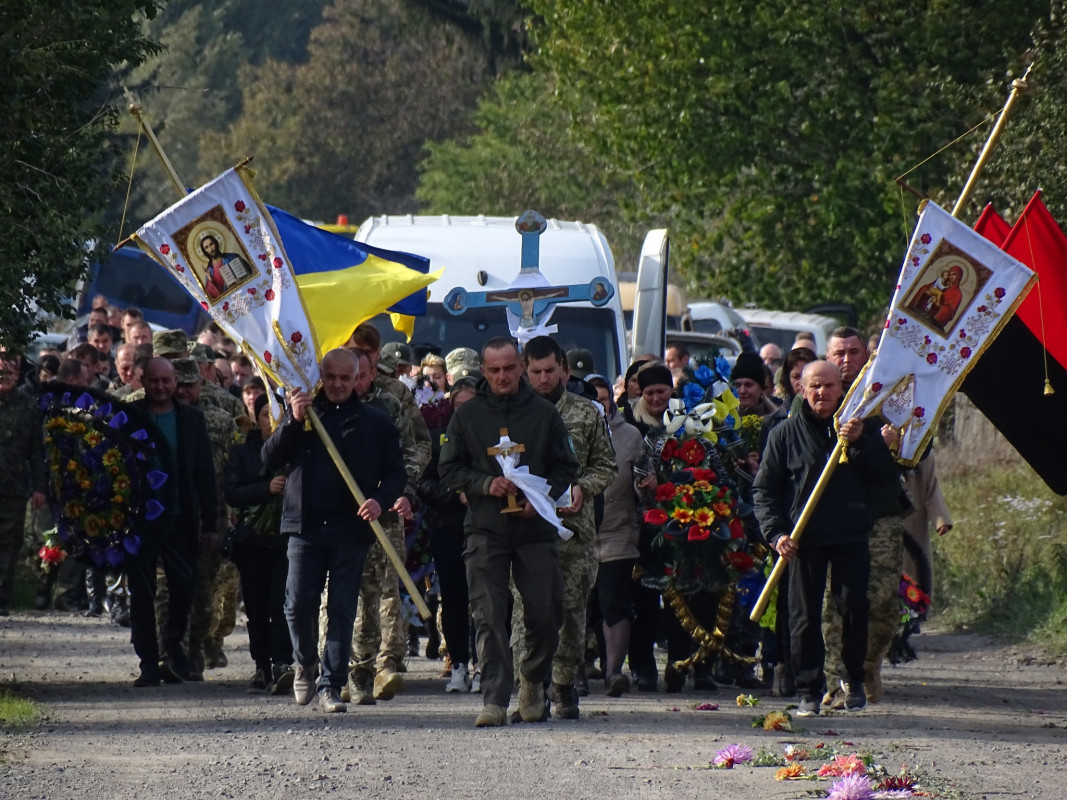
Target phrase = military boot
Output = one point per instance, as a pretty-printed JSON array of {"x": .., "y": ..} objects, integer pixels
[{"x": 565, "y": 699}]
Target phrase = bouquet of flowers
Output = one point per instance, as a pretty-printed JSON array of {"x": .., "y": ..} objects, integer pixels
[
  {"x": 51, "y": 553},
  {"x": 699, "y": 540},
  {"x": 101, "y": 481},
  {"x": 265, "y": 518}
]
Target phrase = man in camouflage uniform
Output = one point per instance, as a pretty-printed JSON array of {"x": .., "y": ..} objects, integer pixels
[
  {"x": 213, "y": 394},
  {"x": 211, "y": 582},
  {"x": 22, "y": 472},
  {"x": 379, "y": 642},
  {"x": 547, "y": 370}
]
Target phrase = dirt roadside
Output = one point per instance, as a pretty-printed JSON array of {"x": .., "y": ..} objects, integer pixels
[{"x": 980, "y": 721}]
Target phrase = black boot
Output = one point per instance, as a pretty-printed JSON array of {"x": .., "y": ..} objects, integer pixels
[
  {"x": 96, "y": 590},
  {"x": 433, "y": 633},
  {"x": 702, "y": 680}
]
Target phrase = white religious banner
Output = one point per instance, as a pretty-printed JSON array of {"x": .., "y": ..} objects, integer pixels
[
  {"x": 221, "y": 244},
  {"x": 955, "y": 293}
]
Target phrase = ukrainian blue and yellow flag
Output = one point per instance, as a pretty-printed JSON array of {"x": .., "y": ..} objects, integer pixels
[{"x": 344, "y": 282}]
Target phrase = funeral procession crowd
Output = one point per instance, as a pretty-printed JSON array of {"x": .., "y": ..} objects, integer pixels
[{"x": 561, "y": 524}]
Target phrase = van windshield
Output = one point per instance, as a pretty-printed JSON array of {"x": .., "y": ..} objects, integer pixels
[{"x": 591, "y": 328}]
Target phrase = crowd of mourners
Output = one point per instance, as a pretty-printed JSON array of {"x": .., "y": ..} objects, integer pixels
[{"x": 515, "y": 483}]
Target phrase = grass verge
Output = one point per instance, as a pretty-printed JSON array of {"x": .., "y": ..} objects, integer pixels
[
  {"x": 1003, "y": 569},
  {"x": 17, "y": 713}
]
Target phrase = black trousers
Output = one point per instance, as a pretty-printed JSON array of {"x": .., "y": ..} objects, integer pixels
[
  {"x": 447, "y": 547},
  {"x": 172, "y": 542},
  {"x": 850, "y": 571},
  {"x": 263, "y": 573}
]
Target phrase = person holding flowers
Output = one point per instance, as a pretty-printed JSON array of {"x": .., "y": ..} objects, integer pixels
[
  {"x": 173, "y": 539},
  {"x": 260, "y": 555},
  {"x": 694, "y": 543}
]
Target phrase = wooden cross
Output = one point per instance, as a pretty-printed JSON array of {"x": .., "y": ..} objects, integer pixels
[{"x": 505, "y": 447}]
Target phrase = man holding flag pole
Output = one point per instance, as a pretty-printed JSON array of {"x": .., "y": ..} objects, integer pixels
[
  {"x": 920, "y": 362},
  {"x": 269, "y": 308}
]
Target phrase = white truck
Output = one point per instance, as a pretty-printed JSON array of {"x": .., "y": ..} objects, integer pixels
[{"x": 482, "y": 254}]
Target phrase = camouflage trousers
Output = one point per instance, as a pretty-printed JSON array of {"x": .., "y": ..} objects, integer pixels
[
  {"x": 887, "y": 560},
  {"x": 578, "y": 562},
  {"x": 224, "y": 601},
  {"x": 380, "y": 634}
]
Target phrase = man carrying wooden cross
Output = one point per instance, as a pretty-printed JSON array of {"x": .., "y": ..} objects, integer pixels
[{"x": 499, "y": 545}]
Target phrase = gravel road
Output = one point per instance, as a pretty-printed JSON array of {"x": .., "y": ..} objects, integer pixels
[{"x": 976, "y": 720}]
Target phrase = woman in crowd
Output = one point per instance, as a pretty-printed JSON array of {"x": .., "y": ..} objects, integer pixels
[
  {"x": 446, "y": 511},
  {"x": 251, "y": 389},
  {"x": 616, "y": 545},
  {"x": 260, "y": 555},
  {"x": 433, "y": 367}
]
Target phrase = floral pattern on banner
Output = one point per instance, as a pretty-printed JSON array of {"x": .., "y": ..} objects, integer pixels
[{"x": 953, "y": 356}]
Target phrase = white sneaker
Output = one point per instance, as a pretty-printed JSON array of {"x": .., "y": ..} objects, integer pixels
[
  {"x": 459, "y": 681},
  {"x": 476, "y": 682}
]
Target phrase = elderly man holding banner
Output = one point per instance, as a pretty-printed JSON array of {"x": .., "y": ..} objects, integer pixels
[
  {"x": 837, "y": 532},
  {"x": 329, "y": 531},
  {"x": 909, "y": 382}
]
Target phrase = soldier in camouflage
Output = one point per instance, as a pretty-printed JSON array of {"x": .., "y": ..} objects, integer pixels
[
  {"x": 379, "y": 639},
  {"x": 212, "y": 583},
  {"x": 211, "y": 394},
  {"x": 887, "y": 562},
  {"x": 22, "y": 472},
  {"x": 380, "y": 579},
  {"x": 547, "y": 370}
]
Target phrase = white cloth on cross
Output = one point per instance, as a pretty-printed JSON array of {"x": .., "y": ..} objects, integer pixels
[{"x": 534, "y": 487}]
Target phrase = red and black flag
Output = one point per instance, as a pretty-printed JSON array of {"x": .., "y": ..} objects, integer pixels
[{"x": 1008, "y": 383}]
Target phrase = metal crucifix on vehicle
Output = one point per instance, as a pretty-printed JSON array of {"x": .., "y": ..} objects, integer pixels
[{"x": 529, "y": 300}]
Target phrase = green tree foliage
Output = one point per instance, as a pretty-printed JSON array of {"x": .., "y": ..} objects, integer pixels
[
  {"x": 770, "y": 133},
  {"x": 1029, "y": 155},
  {"x": 190, "y": 90},
  {"x": 57, "y": 60},
  {"x": 343, "y": 132}
]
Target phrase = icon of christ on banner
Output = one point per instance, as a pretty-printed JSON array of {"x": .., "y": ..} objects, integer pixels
[{"x": 215, "y": 252}]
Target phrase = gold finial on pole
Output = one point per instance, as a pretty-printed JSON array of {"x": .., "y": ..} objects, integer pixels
[
  {"x": 1018, "y": 86},
  {"x": 135, "y": 110}
]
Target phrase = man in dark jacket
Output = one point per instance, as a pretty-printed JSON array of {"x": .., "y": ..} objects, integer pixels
[
  {"x": 190, "y": 521},
  {"x": 835, "y": 536},
  {"x": 328, "y": 534},
  {"x": 502, "y": 545}
]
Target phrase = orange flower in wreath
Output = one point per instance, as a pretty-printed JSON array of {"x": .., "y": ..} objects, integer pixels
[
  {"x": 683, "y": 515},
  {"x": 703, "y": 517}
]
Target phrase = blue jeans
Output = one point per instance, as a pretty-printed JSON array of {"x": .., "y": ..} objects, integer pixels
[{"x": 310, "y": 561}]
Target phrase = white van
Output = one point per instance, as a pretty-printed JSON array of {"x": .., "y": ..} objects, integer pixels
[
  {"x": 782, "y": 327},
  {"x": 482, "y": 254}
]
